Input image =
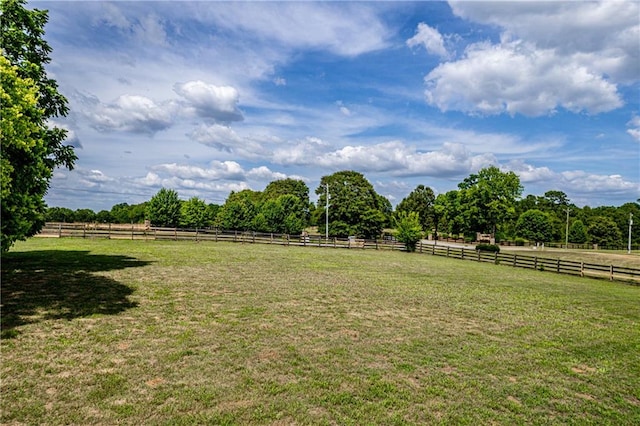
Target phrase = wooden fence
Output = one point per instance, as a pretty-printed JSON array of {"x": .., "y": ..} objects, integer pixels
[
  {"x": 141, "y": 232},
  {"x": 583, "y": 269}
]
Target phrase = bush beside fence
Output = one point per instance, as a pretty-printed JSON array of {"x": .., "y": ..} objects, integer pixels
[{"x": 142, "y": 232}]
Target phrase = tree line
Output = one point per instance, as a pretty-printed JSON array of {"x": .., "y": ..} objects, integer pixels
[{"x": 488, "y": 202}]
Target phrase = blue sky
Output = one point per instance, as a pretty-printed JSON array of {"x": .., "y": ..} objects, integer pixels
[{"x": 210, "y": 97}]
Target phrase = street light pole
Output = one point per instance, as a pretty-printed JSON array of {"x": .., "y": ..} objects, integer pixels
[
  {"x": 566, "y": 234},
  {"x": 630, "y": 225}
]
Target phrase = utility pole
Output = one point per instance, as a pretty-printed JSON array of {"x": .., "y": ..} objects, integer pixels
[
  {"x": 566, "y": 234},
  {"x": 630, "y": 225},
  {"x": 326, "y": 215}
]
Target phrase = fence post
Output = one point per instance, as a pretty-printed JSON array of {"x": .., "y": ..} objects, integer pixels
[
  {"x": 433, "y": 249},
  {"x": 462, "y": 254},
  {"x": 582, "y": 269},
  {"x": 558, "y": 266},
  {"x": 448, "y": 251},
  {"x": 254, "y": 237},
  {"x": 109, "y": 234},
  {"x": 132, "y": 230},
  {"x": 515, "y": 260},
  {"x": 84, "y": 230},
  {"x": 611, "y": 273},
  {"x": 478, "y": 255},
  {"x": 535, "y": 263}
]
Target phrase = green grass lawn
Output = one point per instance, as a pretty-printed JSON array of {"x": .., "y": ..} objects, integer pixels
[{"x": 134, "y": 332}]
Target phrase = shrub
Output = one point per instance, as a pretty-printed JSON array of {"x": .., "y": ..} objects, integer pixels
[
  {"x": 408, "y": 229},
  {"x": 488, "y": 247},
  {"x": 520, "y": 242}
]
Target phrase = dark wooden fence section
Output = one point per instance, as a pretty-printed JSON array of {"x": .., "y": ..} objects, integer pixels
[{"x": 141, "y": 232}]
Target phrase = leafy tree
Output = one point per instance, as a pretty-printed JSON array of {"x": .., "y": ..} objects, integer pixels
[
  {"x": 578, "y": 232},
  {"x": 239, "y": 211},
  {"x": 59, "y": 214},
  {"x": 488, "y": 198},
  {"x": 287, "y": 186},
  {"x": 354, "y": 206},
  {"x": 125, "y": 213},
  {"x": 604, "y": 232},
  {"x": 534, "y": 225},
  {"x": 194, "y": 213},
  {"x": 421, "y": 200},
  {"x": 213, "y": 210},
  {"x": 271, "y": 217},
  {"x": 408, "y": 229},
  {"x": 104, "y": 216},
  {"x": 295, "y": 211},
  {"x": 164, "y": 208},
  {"x": 285, "y": 214},
  {"x": 31, "y": 147},
  {"x": 449, "y": 204},
  {"x": 85, "y": 215}
]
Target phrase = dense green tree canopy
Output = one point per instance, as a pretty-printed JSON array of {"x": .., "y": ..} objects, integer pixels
[
  {"x": 31, "y": 146},
  {"x": 164, "y": 208},
  {"x": 488, "y": 198},
  {"x": 355, "y": 207},
  {"x": 194, "y": 213},
  {"x": 534, "y": 225},
  {"x": 605, "y": 232},
  {"x": 421, "y": 200},
  {"x": 578, "y": 232},
  {"x": 25, "y": 174}
]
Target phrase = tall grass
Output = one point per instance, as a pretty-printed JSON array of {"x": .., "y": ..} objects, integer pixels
[{"x": 106, "y": 332}]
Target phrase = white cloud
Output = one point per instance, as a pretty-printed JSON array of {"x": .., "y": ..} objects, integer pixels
[
  {"x": 573, "y": 182},
  {"x": 304, "y": 152},
  {"x": 634, "y": 127},
  {"x": 228, "y": 170},
  {"x": 132, "y": 113},
  {"x": 518, "y": 78},
  {"x": 209, "y": 101},
  {"x": 603, "y": 36},
  {"x": 224, "y": 138},
  {"x": 263, "y": 173},
  {"x": 430, "y": 38},
  {"x": 570, "y": 55},
  {"x": 398, "y": 159},
  {"x": 583, "y": 182},
  {"x": 348, "y": 29}
]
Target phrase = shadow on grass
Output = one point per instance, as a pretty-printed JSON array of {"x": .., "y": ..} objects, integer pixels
[{"x": 60, "y": 284}]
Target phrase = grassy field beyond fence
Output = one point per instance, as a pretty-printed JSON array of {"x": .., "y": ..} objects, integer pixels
[{"x": 177, "y": 332}]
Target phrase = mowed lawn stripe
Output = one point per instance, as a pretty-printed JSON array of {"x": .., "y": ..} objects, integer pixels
[{"x": 131, "y": 332}]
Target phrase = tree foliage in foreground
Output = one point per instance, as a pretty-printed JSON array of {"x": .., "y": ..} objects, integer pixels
[
  {"x": 31, "y": 147},
  {"x": 408, "y": 229}
]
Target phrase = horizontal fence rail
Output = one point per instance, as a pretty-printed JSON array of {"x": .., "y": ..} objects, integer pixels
[{"x": 142, "y": 232}]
